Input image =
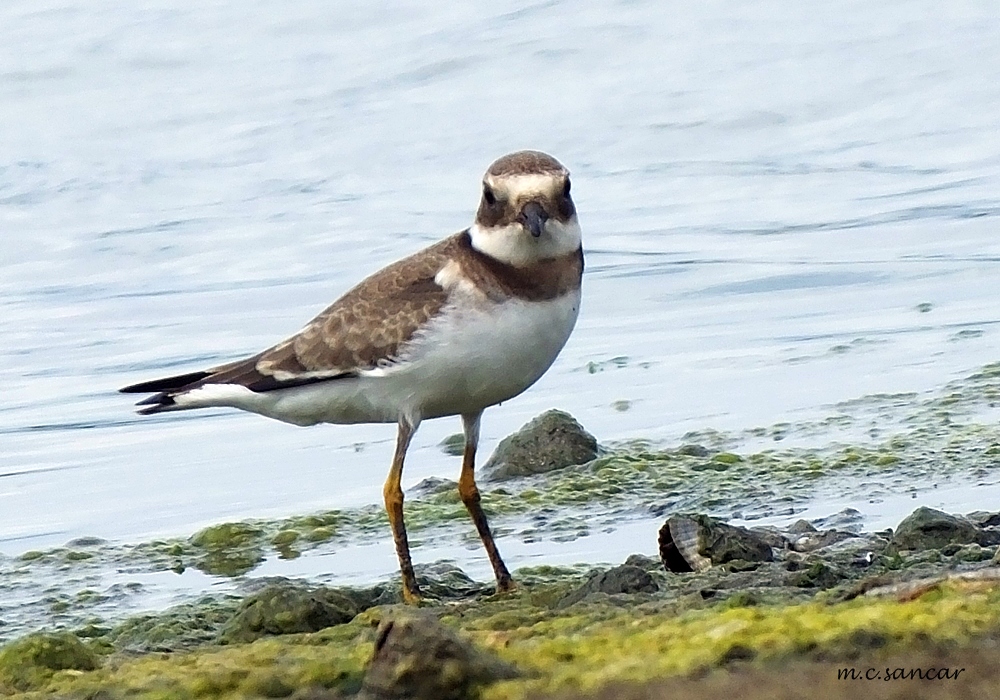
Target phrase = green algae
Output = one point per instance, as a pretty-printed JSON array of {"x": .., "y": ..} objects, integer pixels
[
  {"x": 453, "y": 445},
  {"x": 332, "y": 659},
  {"x": 916, "y": 439},
  {"x": 181, "y": 627},
  {"x": 283, "y": 538},
  {"x": 585, "y": 646},
  {"x": 32, "y": 661},
  {"x": 228, "y": 549},
  {"x": 226, "y": 535},
  {"x": 278, "y": 610},
  {"x": 631, "y": 478},
  {"x": 581, "y": 652}
]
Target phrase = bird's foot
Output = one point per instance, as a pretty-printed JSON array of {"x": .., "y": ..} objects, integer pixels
[
  {"x": 506, "y": 585},
  {"x": 411, "y": 595}
]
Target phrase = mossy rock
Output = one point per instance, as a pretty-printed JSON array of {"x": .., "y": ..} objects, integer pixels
[
  {"x": 184, "y": 626},
  {"x": 442, "y": 580},
  {"x": 226, "y": 536},
  {"x": 818, "y": 574},
  {"x": 626, "y": 578},
  {"x": 286, "y": 608},
  {"x": 453, "y": 445},
  {"x": 926, "y": 528},
  {"x": 230, "y": 549},
  {"x": 418, "y": 658},
  {"x": 551, "y": 441},
  {"x": 31, "y": 661}
]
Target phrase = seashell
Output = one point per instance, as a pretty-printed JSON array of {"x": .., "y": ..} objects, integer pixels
[
  {"x": 681, "y": 545},
  {"x": 697, "y": 542}
]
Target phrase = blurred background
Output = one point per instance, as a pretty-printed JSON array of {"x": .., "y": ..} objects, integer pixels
[{"x": 785, "y": 206}]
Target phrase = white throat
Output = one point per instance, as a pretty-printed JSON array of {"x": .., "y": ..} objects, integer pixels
[{"x": 513, "y": 245}]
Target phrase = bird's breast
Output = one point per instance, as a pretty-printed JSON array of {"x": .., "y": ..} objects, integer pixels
[{"x": 478, "y": 355}]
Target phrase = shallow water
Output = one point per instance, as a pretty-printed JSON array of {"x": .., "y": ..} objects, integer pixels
[{"x": 784, "y": 208}]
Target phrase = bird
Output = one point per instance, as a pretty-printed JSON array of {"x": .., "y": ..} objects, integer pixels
[{"x": 464, "y": 324}]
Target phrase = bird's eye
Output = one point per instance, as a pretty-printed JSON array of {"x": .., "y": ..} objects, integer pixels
[
  {"x": 566, "y": 188},
  {"x": 488, "y": 195}
]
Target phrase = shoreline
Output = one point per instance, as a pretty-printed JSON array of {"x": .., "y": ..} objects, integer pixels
[{"x": 817, "y": 598}]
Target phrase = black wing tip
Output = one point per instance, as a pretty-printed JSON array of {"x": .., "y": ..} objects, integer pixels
[{"x": 165, "y": 384}]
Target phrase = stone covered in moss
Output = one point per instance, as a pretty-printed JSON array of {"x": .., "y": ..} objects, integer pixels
[
  {"x": 926, "y": 528},
  {"x": 288, "y": 608},
  {"x": 553, "y": 440},
  {"x": 442, "y": 580},
  {"x": 624, "y": 579},
  {"x": 453, "y": 445},
  {"x": 32, "y": 660},
  {"x": 181, "y": 627},
  {"x": 418, "y": 658},
  {"x": 229, "y": 549}
]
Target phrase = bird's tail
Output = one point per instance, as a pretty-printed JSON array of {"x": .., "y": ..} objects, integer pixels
[{"x": 165, "y": 388}]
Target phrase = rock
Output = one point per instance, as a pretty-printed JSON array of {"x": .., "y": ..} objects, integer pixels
[
  {"x": 697, "y": 542},
  {"x": 771, "y": 535},
  {"x": 434, "y": 484},
  {"x": 229, "y": 549},
  {"x": 379, "y": 594},
  {"x": 801, "y": 527},
  {"x": 553, "y": 440},
  {"x": 418, "y": 658},
  {"x": 818, "y": 540},
  {"x": 693, "y": 450},
  {"x": 972, "y": 553},
  {"x": 983, "y": 518},
  {"x": 288, "y": 609},
  {"x": 30, "y": 661},
  {"x": 181, "y": 627},
  {"x": 445, "y": 581},
  {"x": 926, "y": 528},
  {"x": 848, "y": 520},
  {"x": 453, "y": 445},
  {"x": 643, "y": 562},
  {"x": 621, "y": 579},
  {"x": 817, "y": 574}
]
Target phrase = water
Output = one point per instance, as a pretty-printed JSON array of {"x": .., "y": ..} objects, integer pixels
[{"x": 769, "y": 193}]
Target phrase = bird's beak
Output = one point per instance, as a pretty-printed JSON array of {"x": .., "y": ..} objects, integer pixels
[{"x": 533, "y": 217}]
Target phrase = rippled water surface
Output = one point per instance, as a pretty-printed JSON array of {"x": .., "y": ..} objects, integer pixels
[{"x": 785, "y": 206}]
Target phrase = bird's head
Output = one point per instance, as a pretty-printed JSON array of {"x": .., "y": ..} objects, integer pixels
[{"x": 526, "y": 214}]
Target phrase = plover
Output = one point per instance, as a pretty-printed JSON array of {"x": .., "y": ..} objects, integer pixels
[{"x": 471, "y": 321}]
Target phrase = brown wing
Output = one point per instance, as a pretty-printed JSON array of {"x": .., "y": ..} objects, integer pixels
[{"x": 363, "y": 328}]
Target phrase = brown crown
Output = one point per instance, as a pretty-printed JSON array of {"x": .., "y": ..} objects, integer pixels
[{"x": 525, "y": 163}]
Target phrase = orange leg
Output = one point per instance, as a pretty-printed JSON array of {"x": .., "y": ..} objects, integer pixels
[
  {"x": 469, "y": 492},
  {"x": 393, "y": 494}
]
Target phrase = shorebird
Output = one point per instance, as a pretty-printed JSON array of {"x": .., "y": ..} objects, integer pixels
[{"x": 464, "y": 324}]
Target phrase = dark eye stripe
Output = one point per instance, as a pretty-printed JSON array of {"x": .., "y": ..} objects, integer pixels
[{"x": 488, "y": 195}]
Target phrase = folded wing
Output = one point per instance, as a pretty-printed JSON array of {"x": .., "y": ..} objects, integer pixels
[{"x": 363, "y": 329}]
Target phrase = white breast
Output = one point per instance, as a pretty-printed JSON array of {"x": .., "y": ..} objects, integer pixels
[
  {"x": 470, "y": 357},
  {"x": 479, "y": 356}
]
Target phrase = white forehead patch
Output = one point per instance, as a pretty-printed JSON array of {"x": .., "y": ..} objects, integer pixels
[{"x": 518, "y": 186}]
